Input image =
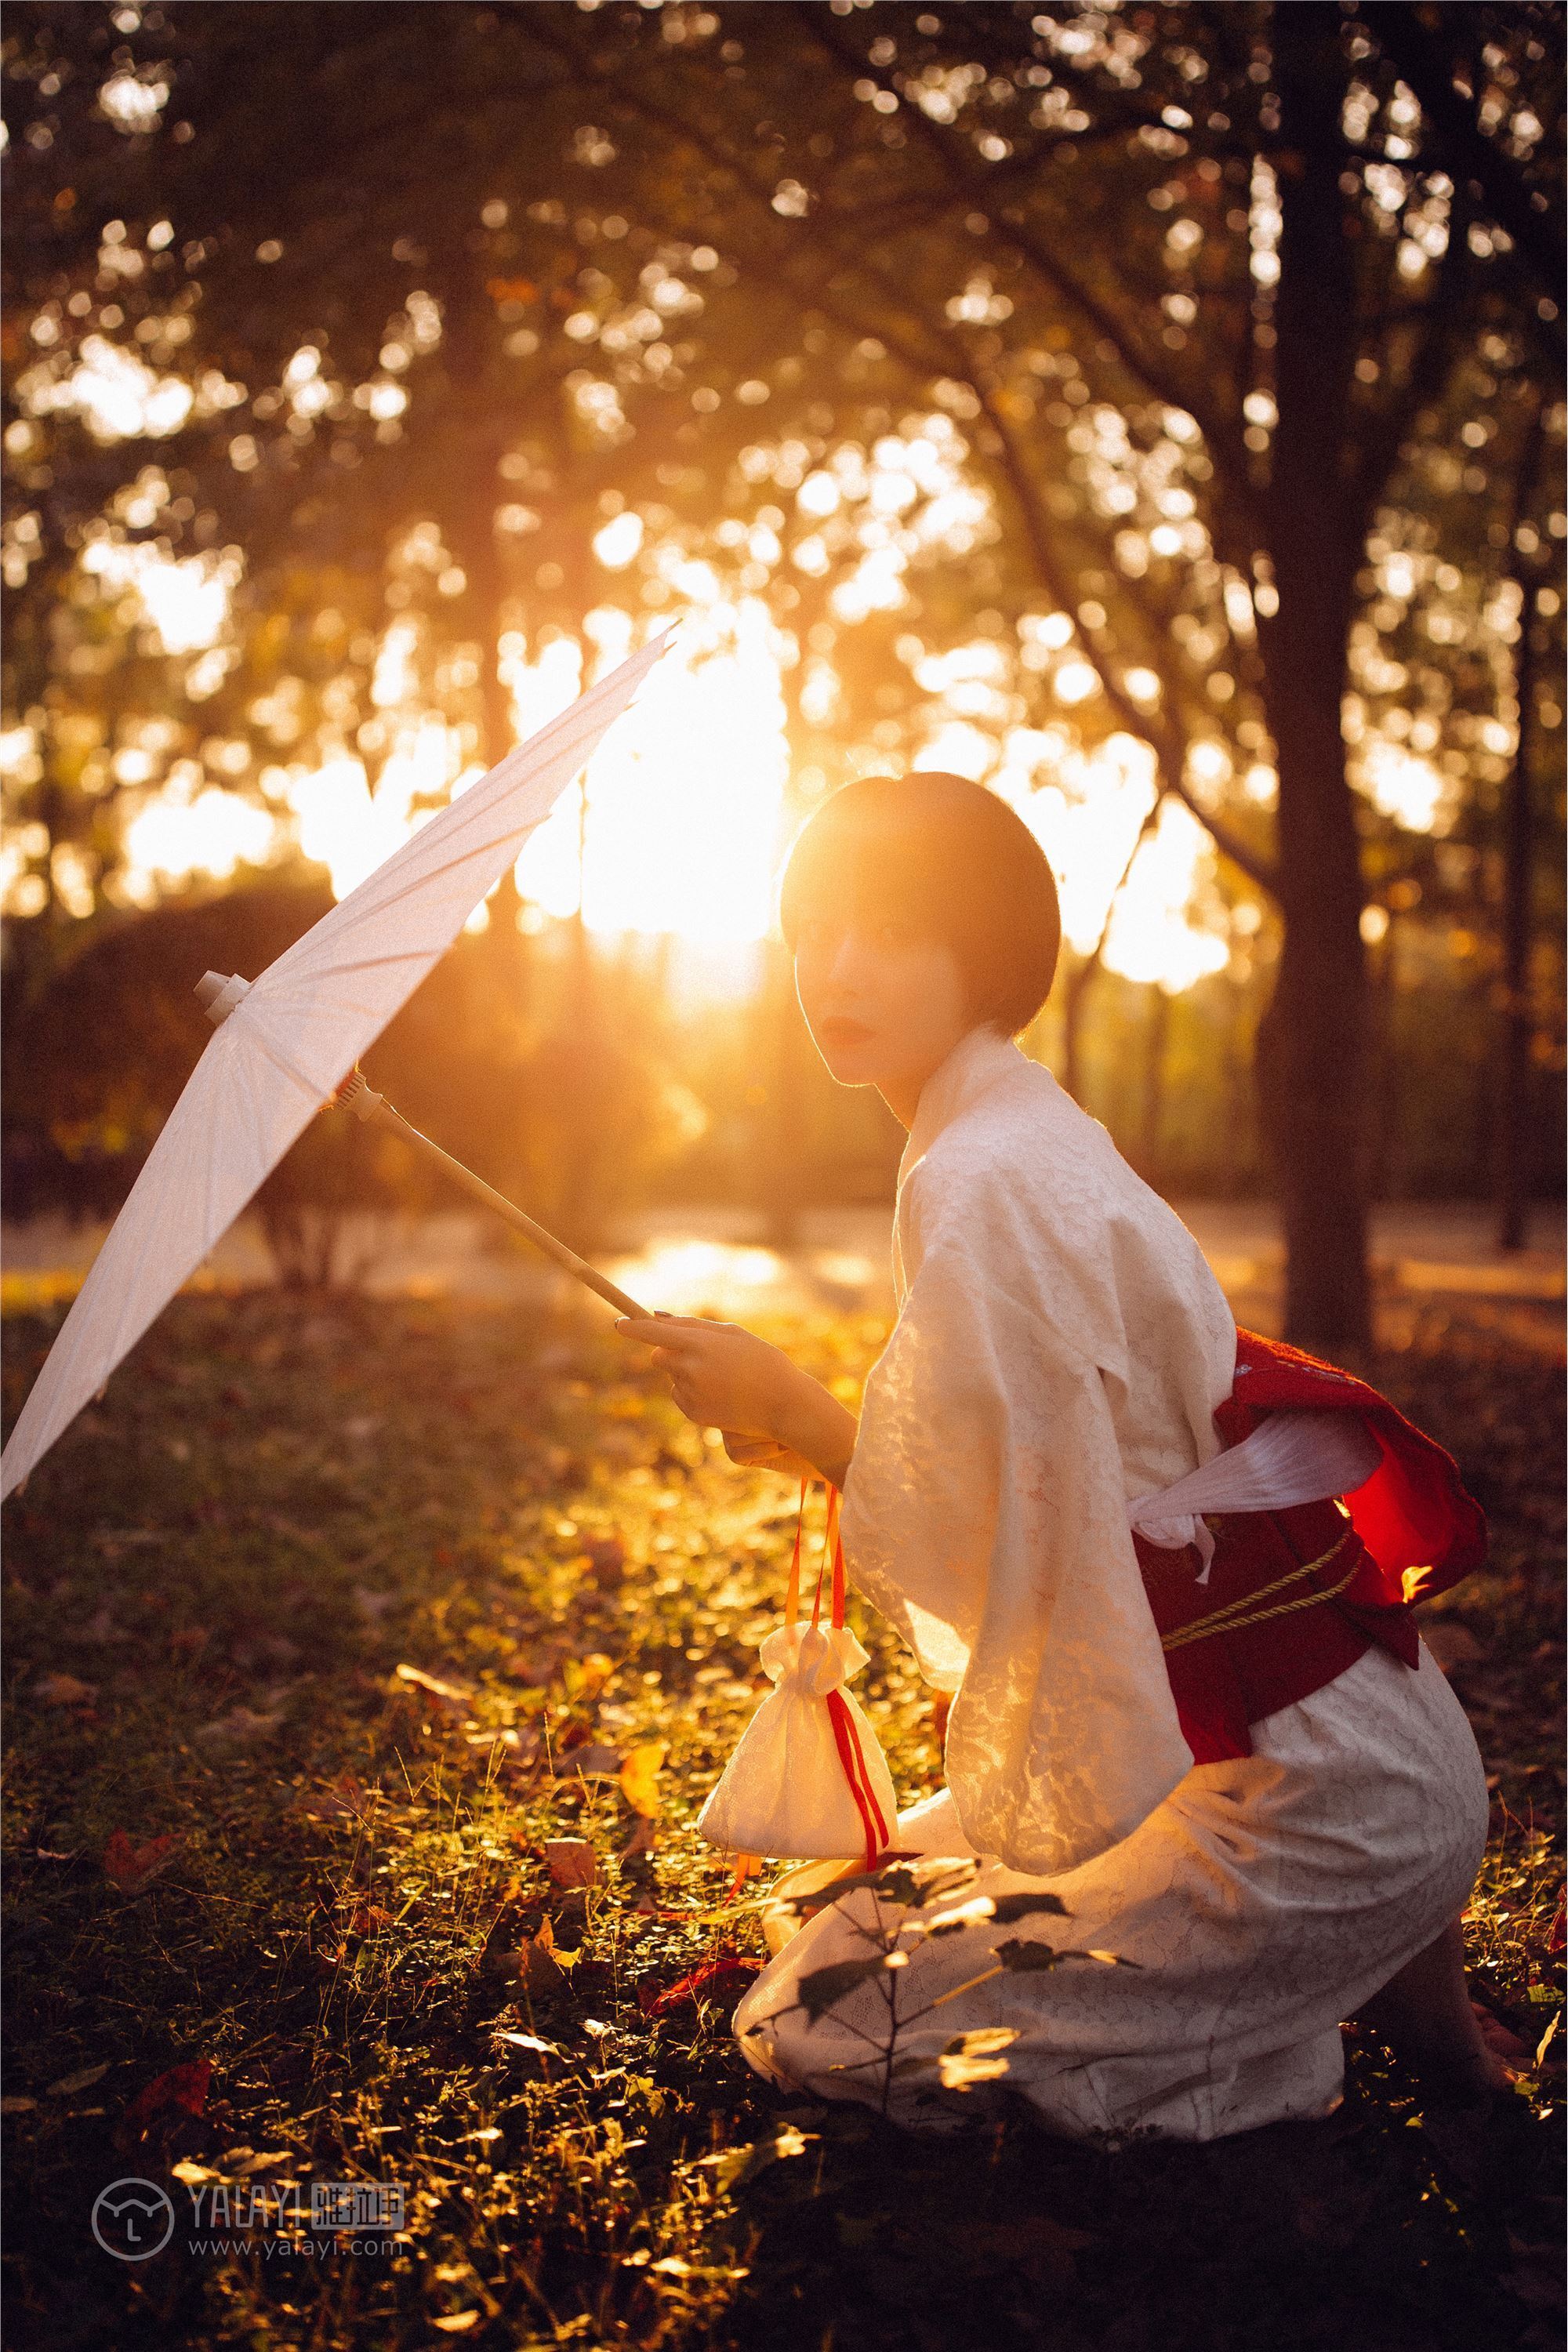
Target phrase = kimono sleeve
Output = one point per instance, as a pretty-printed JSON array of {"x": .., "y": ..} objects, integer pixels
[{"x": 985, "y": 1513}]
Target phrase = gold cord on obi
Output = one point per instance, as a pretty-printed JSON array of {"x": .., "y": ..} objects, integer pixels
[{"x": 1237, "y": 1614}]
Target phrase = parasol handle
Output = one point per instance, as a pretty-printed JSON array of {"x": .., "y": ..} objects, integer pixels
[{"x": 357, "y": 1095}]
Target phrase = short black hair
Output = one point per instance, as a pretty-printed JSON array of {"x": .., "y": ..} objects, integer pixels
[{"x": 949, "y": 858}]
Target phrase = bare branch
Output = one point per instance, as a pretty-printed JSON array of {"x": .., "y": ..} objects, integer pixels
[{"x": 1419, "y": 57}]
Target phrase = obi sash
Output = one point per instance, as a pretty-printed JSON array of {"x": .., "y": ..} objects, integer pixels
[{"x": 1293, "y": 1596}]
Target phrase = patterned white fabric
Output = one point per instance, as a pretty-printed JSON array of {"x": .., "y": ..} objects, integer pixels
[
  {"x": 1060, "y": 1348},
  {"x": 1264, "y": 1901}
]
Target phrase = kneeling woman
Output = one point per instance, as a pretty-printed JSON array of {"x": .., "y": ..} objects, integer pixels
[{"x": 1220, "y": 1742}]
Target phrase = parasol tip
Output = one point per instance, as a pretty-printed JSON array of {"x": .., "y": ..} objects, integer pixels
[{"x": 217, "y": 994}]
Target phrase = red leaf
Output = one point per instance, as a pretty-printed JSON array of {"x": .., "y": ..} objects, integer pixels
[
  {"x": 725, "y": 1979},
  {"x": 131, "y": 1866},
  {"x": 183, "y": 2090}
]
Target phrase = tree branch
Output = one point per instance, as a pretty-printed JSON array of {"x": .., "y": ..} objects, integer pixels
[
  {"x": 1167, "y": 744},
  {"x": 1222, "y": 436},
  {"x": 1420, "y": 58}
]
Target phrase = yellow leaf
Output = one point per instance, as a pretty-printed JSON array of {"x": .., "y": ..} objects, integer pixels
[
  {"x": 451, "y": 1692},
  {"x": 458, "y": 2323},
  {"x": 584, "y": 1678},
  {"x": 639, "y": 1779}
]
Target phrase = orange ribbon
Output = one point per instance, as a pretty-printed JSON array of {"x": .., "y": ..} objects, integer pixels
[{"x": 846, "y": 1736}]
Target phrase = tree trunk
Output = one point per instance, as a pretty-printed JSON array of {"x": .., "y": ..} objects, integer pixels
[
  {"x": 1518, "y": 824},
  {"x": 1152, "y": 1119},
  {"x": 1312, "y": 1041},
  {"x": 1386, "y": 1174}
]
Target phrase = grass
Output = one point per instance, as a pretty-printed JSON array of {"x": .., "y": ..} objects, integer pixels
[{"x": 238, "y": 1838}]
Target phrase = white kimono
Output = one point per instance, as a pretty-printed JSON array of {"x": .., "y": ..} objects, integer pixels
[{"x": 1060, "y": 1348}]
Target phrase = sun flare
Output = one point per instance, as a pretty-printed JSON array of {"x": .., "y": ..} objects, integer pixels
[{"x": 677, "y": 827}]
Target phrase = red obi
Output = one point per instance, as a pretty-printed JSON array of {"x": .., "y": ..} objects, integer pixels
[{"x": 1294, "y": 1597}]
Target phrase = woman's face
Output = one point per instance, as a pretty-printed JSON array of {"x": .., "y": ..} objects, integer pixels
[{"x": 885, "y": 1004}]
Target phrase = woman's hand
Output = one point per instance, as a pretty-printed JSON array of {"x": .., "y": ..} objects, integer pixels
[
  {"x": 720, "y": 1375},
  {"x": 772, "y": 1415}
]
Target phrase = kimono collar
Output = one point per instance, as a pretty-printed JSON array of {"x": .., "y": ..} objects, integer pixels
[{"x": 980, "y": 1061}]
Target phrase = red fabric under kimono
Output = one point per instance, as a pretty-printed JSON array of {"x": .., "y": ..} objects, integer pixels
[{"x": 1296, "y": 1596}]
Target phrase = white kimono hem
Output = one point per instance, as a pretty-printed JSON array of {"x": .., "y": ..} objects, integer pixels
[{"x": 1263, "y": 1901}]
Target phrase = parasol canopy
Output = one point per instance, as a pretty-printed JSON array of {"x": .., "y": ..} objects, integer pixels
[{"x": 286, "y": 1041}]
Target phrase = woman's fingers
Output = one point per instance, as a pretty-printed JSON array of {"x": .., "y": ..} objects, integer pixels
[{"x": 651, "y": 1329}]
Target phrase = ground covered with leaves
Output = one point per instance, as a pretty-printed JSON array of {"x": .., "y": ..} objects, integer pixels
[{"x": 368, "y": 1664}]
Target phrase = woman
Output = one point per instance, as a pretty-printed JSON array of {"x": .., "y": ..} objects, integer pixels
[{"x": 1272, "y": 1806}]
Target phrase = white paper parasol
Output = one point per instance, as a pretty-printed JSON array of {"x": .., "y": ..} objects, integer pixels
[{"x": 289, "y": 1040}]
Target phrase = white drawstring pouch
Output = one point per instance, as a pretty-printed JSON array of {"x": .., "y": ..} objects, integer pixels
[{"x": 808, "y": 1781}]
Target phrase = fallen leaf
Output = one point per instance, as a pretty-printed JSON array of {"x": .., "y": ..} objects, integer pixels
[
  {"x": 571, "y": 1861},
  {"x": 451, "y": 1694},
  {"x": 182, "y": 2089},
  {"x": 722, "y": 1981},
  {"x": 734, "y": 2167},
  {"x": 456, "y": 2323},
  {"x": 84, "y": 2077},
  {"x": 132, "y": 1867},
  {"x": 518, "y": 1957},
  {"x": 639, "y": 1779},
  {"x": 17, "y": 2104},
  {"x": 585, "y": 1678},
  {"x": 235, "y": 1729},
  {"x": 529, "y": 2042},
  {"x": 64, "y": 1690}
]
